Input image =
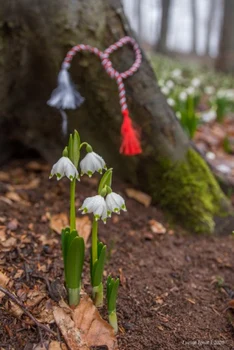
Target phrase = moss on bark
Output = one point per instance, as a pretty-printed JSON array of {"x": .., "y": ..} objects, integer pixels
[{"x": 189, "y": 191}]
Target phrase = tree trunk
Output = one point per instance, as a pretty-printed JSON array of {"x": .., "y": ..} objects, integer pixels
[
  {"x": 193, "y": 4},
  {"x": 210, "y": 20},
  {"x": 139, "y": 20},
  {"x": 35, "y": 35},
  {"x": 225, "y": 60},
  {"x": 165, "y": 17}
]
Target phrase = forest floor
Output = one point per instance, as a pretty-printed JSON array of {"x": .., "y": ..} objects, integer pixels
[{"x": 175, "y": 288}]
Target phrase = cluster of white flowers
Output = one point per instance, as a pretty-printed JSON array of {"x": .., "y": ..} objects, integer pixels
[
  {"x": 103, "y": 208},
  {"x": 64, "y": 167},
  {"x": 227, "y": 94},
  {"x": 100, "y": 207}
]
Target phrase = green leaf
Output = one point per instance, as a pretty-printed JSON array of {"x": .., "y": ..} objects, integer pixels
[
  {"x": 65, "y": 152},
  {"x": 76, "y": 148},
  {"x": 108, "y": 287},
  {"x": 98, "y": 267},
  {"x": 70, "y": 148},
  {"x": 67, "y": 238},
  {"x": 105, "y": 180},
  {"x": 64, "y": 237},
  {"x": 75, "y": 261},
  {"x": 112, "y": 294},
  {"x": 99, "y": 248}
]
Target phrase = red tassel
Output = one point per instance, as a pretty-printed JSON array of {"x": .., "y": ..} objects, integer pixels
[{"x": 130, "y": 143}]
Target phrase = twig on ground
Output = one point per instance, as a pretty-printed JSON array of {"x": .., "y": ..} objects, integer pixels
[{"x": 38, "y": 324}]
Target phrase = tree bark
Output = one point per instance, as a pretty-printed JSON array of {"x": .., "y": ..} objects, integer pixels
[
  {"x": 35, "y": 36},
  {"x": 165, "y": 18},
  {"x": 225, "y": 60},
  {"x": 210, "y": 20},
  {"x": 139, "y": 19},
  {"x": 193, "y": 4}
]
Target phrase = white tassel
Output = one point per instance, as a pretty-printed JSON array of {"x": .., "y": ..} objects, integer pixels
[
  {"x": 65, "y": 96},
  {"x": 64, "y": 122}
]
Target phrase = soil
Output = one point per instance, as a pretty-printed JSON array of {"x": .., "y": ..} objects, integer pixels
[{"x": 175, "y": 288}]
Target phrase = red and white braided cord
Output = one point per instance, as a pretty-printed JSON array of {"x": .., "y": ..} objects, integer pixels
[{"x": 107, "y": 64}]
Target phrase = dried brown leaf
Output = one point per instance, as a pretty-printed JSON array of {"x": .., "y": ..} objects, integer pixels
[
  {"x": 4, "y": 177},
  {"x": 84, "y": 227},
  {"x": 3, "y": 283},
  {"x": 2, "y": 233},
  {"x": 15, "y": 309},
  {"x": 34, "y": 297},
  {"x": 156, "y": 227},
  {"x": 19, "y": 274},
  {"x": 71, "y": 334},
  {"x": 8, "y": 244},
  {"x": 35, "y": 166},
  {"x": 34, "y": 183},
  {"x": 87, "y": 328},
  {"x": 15, "y": 197},
  {"x": 5, "y": 200},
  {"x": 58, "y": 222},
  {"x": 55, "y": 345},
  {"x": 139, "y": 196}
]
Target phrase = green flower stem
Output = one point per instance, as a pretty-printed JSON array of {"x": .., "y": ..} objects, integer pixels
[
  {"x": 113, "y": 320},
  {"x": 98, "y": 295},
  {"x": 94, "y": 241},
  {"x": 73, "y": 296},
  {"x": 72, "y": 205}
]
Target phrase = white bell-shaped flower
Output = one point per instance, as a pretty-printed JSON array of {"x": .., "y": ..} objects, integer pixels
[
  {"x": 95, "y": 205},
  {"x": 115, "y": 203},
  {"x": 92, "y": 162},
  {"x": 64, "y": 167}
]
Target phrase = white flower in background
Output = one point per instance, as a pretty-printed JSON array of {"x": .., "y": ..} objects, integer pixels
[
  {"x": 190, "y": 90},
  {"x": 64, "y": 167},
  {"x": 170, "y": 84},
  {"x": 176, "y": 73},
  {"x": 92, "y": 162},
  {"x": 115, "y": 203},
  {"x": 209, "y": 90},
  {"x": 210, "y": 155},
  {"x": 183, "y": 96},
  {"x": 230, "y": 94},
  {"x": 196, "y": 82},
  {"x": 165, "y": 90},
  {"x": 95, "y": 205},
  {"x": 208, "y": 116},
  {"x": 223, "y": 168},
  {"x": 171, "y": 102}
]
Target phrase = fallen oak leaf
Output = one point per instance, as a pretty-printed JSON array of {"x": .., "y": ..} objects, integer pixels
[
  {"x": 139, "y": 196},
  {"x": 71, "y": 334},
  {"x": 97, "y": 331},
  {"x": 58, "y": 222},
  {"x": 83, "y": 327}
]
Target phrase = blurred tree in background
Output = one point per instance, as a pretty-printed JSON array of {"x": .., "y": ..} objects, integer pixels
[
  {"x": 35, "y": 36},
  {"x": 225, "y": 60}
]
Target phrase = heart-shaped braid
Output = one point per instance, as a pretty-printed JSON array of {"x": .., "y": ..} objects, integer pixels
[{"x": 65, "y": 96}]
